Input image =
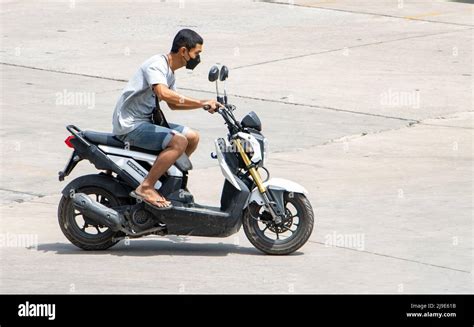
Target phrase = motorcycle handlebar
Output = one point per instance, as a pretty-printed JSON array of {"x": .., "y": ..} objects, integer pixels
[
  {"x": 226, "y": 112},
  {"x": 207, "y": 107}
]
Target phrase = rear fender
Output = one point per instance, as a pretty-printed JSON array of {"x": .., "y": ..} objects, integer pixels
[{"x": 109, "y": 183}]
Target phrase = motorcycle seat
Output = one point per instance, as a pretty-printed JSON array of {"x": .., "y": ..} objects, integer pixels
[
  {"x": 183, "y": 163},
  {"x": 103, "y": 138}
]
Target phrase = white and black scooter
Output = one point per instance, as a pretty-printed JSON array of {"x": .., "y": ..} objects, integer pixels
[{"x": 96, "y": 211}]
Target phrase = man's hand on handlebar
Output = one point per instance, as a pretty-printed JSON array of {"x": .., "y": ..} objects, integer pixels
[{"x": 211, "y": 106}]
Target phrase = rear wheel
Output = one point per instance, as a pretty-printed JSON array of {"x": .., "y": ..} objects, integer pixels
[
  {"x": 284, "y": 238},
  {"x": 78, "y": 229}
]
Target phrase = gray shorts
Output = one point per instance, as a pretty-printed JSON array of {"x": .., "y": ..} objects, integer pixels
[{"x": 152, "y": 137}]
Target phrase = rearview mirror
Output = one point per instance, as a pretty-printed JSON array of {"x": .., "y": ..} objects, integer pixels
[
  {"x": 224, "y": 73},
  {"x": 213, "y": 73}
]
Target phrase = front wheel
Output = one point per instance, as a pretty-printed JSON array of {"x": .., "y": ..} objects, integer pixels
[{"x": 284, "y": 238}]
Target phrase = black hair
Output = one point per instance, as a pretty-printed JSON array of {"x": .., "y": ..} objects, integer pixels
[{"x": 186, "y": 38}]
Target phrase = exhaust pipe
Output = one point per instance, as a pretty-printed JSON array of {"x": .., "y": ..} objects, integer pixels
[{"x": 97, "y": 212}]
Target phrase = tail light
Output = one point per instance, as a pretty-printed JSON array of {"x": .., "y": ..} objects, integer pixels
[{"x": 68, "y": 141}]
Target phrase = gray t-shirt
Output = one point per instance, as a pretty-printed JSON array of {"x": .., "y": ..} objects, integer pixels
[{"x": 137, "y": 101}]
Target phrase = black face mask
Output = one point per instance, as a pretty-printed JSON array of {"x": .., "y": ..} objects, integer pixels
[{"x": 193, "y": 62}]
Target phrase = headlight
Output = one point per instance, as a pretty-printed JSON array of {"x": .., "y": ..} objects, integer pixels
[
  {"x": 254, "y": 146},
  {"x": 248, "y": 148}
]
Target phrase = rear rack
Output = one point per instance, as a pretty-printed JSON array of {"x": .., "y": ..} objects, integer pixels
[{"x": 77, "y": 132}]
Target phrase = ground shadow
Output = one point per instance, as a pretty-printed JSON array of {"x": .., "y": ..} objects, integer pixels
[{"x": 143, "y": 248}]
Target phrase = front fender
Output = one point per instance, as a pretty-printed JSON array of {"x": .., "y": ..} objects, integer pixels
[{"x": 276, "y": 183}]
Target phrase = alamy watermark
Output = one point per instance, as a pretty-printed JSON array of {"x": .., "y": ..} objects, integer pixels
[
  {"x": 70, "y": 98},
  {"x": 396, "y": 98},
  {"x": 28, "y": 309},
  {"x": 353, "y": 241},
  {"x": 12, "y": 240}
]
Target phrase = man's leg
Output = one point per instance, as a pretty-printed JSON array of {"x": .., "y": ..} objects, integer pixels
[
  {"x": 193, "y": 140},
  {"x": 163, "y": 162},
  {"x": 191, "y": 135}
]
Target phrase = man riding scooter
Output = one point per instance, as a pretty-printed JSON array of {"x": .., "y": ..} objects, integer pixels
[
  {"x": 138, "y": 120},
  {"x": 96, "y": 211}
]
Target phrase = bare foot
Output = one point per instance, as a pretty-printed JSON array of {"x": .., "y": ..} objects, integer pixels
[{"x": 150, "y": 195}]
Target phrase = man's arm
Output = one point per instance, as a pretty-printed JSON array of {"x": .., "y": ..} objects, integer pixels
[{"x": 175, "y": 100}]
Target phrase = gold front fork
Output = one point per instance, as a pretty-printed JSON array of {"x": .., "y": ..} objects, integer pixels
[
  {"x": 253, "y": 171},
  {"x": 258, "y": 180}
]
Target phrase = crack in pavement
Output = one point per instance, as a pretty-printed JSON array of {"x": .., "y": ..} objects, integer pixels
[
  {"x": 446, "y": 126},
  {"x": 64, "y": 72},
  {"x": 230, "y": 94},
  {"x": 21, "y": 192},
  {"x": 10, "y": 198},
  {"x": 412, "y": 120},
  {"x": 363, "y": 13},
  {"x": 393, "y": 257},
  {"x": 350, "y": 47},
  {"x": 347, "y": 138},
  {"x": 27, "y": 201}
]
